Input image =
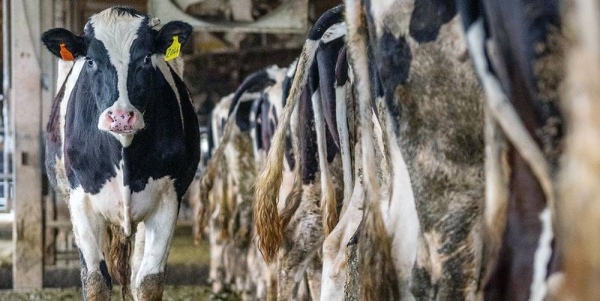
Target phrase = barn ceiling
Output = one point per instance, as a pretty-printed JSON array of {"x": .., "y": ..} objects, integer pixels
[{"x": 259, "y": 16}]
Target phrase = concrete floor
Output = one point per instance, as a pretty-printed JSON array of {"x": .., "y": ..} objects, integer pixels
[
  {"x": 187, "y": 264},
  {"x": 171, "y": 293}
]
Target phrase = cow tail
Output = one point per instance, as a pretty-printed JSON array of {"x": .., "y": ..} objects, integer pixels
[
  {"x": 378, "y": 276},
  {"x": 292, "y": 203},
  {"x": 206, "y": 184},
  {"x": 212, "y": 169},
  {"x": 268, "y": 223},
  {"x": 341, "y": 107},
  {"x": 328, "y": 197},
  {"x": 266, "y": 217},
  {"x": 328, "y": 202},
  {"x": 119, "y": 253},
  {"x": 224, "y": 209}
]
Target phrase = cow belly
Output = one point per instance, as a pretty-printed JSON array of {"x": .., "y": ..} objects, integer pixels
[
  {"x": 147, "y": 200},
  {"x": 113, "y": 198}
]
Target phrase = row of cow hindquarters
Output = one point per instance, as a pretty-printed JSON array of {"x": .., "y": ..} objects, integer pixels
[
  {"x": 348, "y": 148},
  {"x": 241, "y": 126},
  {"x": 399, "y": 183},
  {"x": 393, "y": 230}
]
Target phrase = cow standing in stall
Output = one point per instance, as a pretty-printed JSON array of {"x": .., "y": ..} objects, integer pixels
[
  {"x": 123, "y": 144},
  {"x": 517, "y": 57},
  {"x": 520, "y": 63},
  {"x": 517, "y": 49}
]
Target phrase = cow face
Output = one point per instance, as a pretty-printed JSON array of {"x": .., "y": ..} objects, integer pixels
[{"x": 120, "y": 53}]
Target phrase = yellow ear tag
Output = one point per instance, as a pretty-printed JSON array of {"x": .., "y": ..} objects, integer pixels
[
  {"x": 173, "y": 50},
  {"x": 65, "y": 53}
]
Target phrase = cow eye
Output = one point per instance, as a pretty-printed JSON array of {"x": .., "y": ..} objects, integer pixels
[
  {"x": 90, "y": 63},
  {"x": 147, "y": 59}
]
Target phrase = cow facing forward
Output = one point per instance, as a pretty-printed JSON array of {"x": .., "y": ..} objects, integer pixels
[{"x": 123, "y": 145}]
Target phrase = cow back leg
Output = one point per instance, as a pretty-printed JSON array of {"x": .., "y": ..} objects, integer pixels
[
  {"x": 217, "y": 253},
  {"x": 89, "y": 232},
  {"x": 313, "y": 277},
  {"x": 194, "y": 200},
  {"x": 303, "y": 237},
  {"x": 150, "y": 278},
  {"x": 334, "y": 247},
  {"x": 303, "y": 291}
]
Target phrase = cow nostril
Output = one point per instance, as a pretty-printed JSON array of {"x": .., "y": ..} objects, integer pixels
[
  {"x": 131, "y": 113},
  {"x": 109, "y": 112}
]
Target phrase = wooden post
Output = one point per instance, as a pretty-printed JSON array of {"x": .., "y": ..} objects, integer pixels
[
  {"x": 48, "y": 62},
  {"x": 25, "y": 98}
]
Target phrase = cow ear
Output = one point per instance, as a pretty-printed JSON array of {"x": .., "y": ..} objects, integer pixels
[
  {"x": 64, "y": 44},
  {"x": 171, "y": 32}
]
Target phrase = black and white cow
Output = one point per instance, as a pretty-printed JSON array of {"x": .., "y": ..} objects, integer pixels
[
  {"x": 432, "y": 117},
  {"x": 517, "y": 49},
  {"x": 428, "y": 105},
  {"x": 123, "y": 143}
]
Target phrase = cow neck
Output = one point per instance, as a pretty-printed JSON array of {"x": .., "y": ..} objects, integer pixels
[{"x": 153, "y": 151}]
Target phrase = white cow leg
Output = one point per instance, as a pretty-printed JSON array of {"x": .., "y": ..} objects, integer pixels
[
  {"x": 194, "y": 200},
  {"x": 217, "y": 254},
  {"x": 313, "y": 278},
  {"x": 335, "y": 245},
  {"x": 138, "y": 254},
  {"x": 150, "y": 278},
  {"x": 89, "y": 232}
]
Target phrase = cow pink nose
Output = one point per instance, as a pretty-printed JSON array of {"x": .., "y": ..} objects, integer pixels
[{"x": 121, "y": 121}]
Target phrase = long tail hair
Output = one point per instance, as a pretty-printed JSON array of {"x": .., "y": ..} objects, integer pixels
[
  {"x": 119, "y": 254},
  {"x": 268, "y": 224}
]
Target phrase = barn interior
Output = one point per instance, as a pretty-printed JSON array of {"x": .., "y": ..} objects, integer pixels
[{"x": 231, "y": 39}]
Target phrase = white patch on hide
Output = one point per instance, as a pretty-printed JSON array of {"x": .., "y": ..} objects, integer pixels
[
  {"x": 542, "y": 257},
  {"x": 117, "y": 33},
  {"x": 341, "y": 120},
  {"x": 403, "y": 222},
  {"x": 334, "y": 32},
  {"x": 159, "y": 61}
]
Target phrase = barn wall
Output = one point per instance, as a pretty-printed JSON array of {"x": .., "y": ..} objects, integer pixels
[{"x": 25, "y": 101}]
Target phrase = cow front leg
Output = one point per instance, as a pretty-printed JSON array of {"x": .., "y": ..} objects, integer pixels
[
  {"x": 150, "y": 278},
  {"x": 89, "y": 232},
  {"x": 138, "y": 254}
]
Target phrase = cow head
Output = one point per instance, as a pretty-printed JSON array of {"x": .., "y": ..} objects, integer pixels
[{"x": 119, "y": 52}]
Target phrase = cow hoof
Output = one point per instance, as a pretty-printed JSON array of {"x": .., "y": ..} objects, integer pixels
[
  {"x": 151, "y": 288},
  {"x": 96, "y": 288}
]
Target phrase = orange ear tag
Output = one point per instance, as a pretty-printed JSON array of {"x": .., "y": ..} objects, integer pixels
[{"x": 65, "y": 53}]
